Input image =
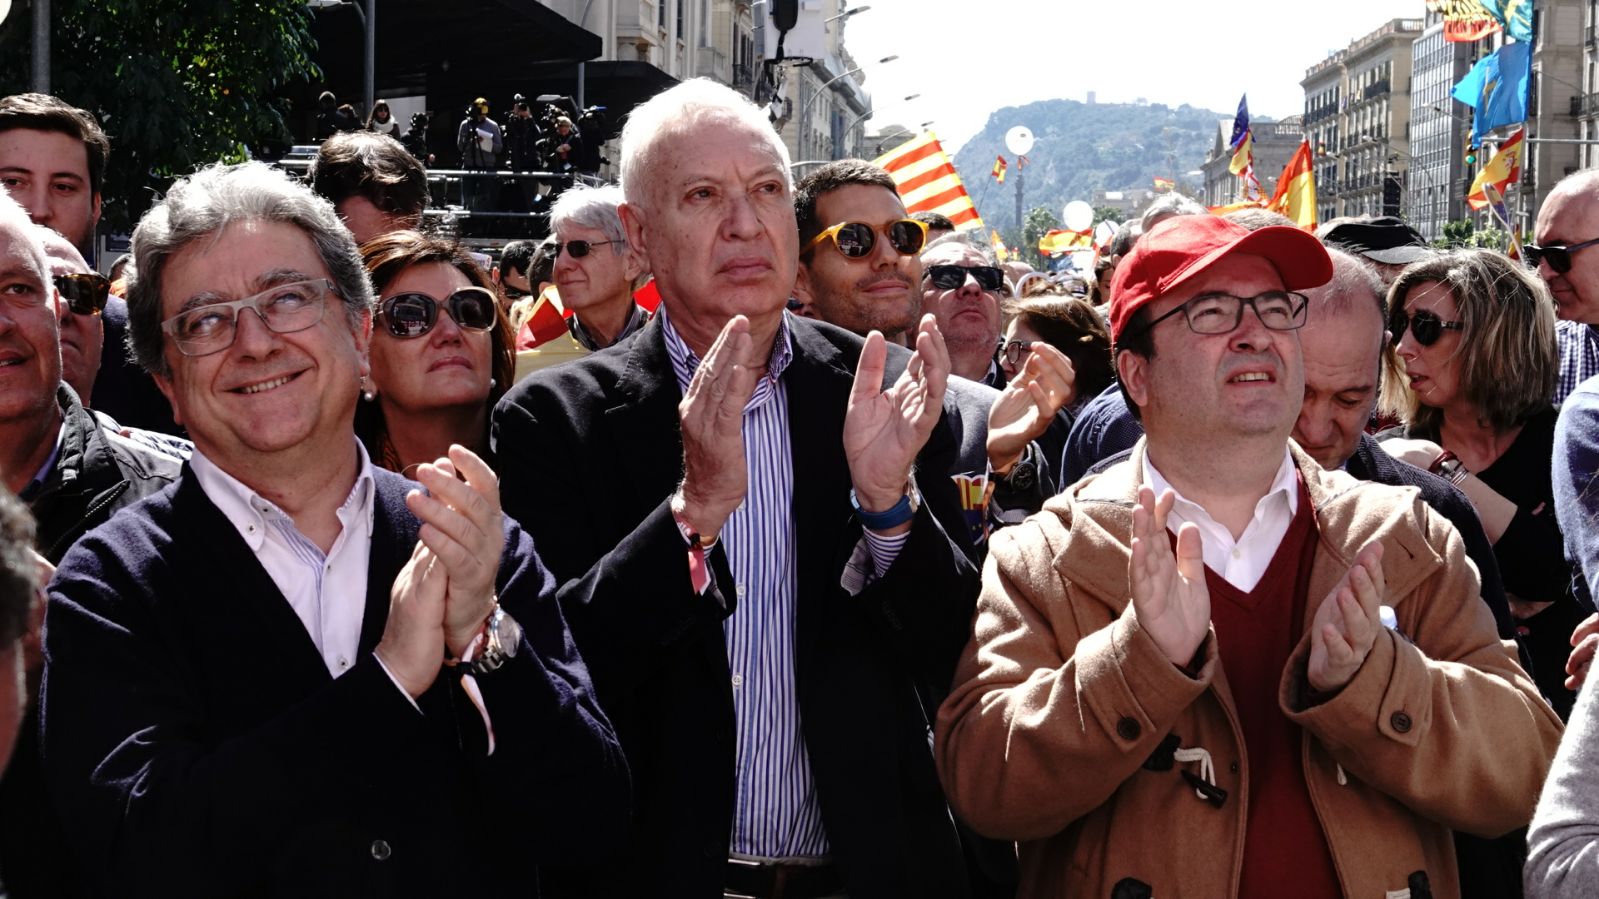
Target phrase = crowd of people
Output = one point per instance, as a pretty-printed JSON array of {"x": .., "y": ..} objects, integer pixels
[{"x": 753, "y": 538}]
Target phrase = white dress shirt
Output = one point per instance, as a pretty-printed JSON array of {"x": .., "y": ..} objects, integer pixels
[
  {"x": 327, "y": 592},
  {"x": 1242, "y": 562}
]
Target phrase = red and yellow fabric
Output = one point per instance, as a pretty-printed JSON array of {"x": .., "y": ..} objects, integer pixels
[
  {"x": 927, "y": 181},
  {"x": 1464, "y": 20},
  {"x": 1059, "y": 241},
  {"x": 1296, "y": 189},
  {"x": 999, "y": 169},
  {"x": 1501, "y": 171},
  {"x": 1163, "y": 185}
]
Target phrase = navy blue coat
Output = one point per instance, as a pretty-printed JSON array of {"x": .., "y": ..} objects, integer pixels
[
  {"x": 196, "y": 744},
  {"x": 869, "y": 669}
]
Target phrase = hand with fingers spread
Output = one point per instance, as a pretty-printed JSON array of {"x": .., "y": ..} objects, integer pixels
[
  {"x": 1347, "y": 623},
  {"x": 412, "y": 648},
  {"x": 1028, "y": 404},
  {"x": 1169, "y": 593},
  {"x": 462, "y": 526},
  {"x": 1584, "y": 641},
  {"x": 885, "y": 429},
  {"x": 715, "y": 475}
]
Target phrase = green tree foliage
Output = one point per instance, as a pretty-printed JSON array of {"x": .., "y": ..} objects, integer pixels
[
  {"x": 1107, "y": 214},
  {"x": 177, "y": 84},
  {"x": 1466, "y": 234}
]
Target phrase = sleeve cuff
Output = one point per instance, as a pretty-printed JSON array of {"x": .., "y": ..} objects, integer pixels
[{"x": 396, "y": 682}]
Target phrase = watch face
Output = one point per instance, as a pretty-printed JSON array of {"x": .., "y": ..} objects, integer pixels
[
  {"x": 1023, "y": 476},
  {"x": 507, "y": 632}
]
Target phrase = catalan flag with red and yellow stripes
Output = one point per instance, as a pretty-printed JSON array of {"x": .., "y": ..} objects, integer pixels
[
  {"x": 927, "y": 180},
  {"x": 999, "y": 169}
]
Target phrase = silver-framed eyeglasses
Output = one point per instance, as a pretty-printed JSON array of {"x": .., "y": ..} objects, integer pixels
[
  {"x": 210, "y": 328},
  {"x": 1221, "y": 313}
]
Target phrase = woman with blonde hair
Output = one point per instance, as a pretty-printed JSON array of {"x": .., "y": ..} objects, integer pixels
[
  {"x": 441, "y": 352},
  {"x": 1473, "y": 368}
]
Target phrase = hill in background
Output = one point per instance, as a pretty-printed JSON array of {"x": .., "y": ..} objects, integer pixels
[{"x": 1081, "y": 148}]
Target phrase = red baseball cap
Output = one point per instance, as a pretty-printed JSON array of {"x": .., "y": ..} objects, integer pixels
[{"x": 1184, "y": 246}]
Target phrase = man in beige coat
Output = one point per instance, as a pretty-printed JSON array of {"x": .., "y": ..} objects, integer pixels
[{"x": 1215, "y": 669}]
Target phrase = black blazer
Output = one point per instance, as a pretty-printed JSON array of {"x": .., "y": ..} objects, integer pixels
[
  {"x": 590, "y": 453},
  {"x": 197, "y": 745}
]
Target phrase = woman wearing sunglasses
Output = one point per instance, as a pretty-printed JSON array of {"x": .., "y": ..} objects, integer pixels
[
  {"x": 441, "y": 352},
  {"x": 1473, "y": 369}
]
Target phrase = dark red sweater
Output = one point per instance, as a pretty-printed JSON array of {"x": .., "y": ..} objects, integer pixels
[{"x": 1285, "y": 851}]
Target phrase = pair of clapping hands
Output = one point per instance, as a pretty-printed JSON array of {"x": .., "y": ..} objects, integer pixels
[
  {"x": 445, "y": 593},
  {"x": 884, "y": 429},
  {"x": 1173, "y": 604}
]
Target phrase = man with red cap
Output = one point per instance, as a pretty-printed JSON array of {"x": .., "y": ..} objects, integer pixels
[{"x": 1216, "y": 669}]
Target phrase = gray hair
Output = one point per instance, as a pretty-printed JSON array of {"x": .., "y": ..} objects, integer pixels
[
  {"x": 1353, "y": 279},
  {"x": 590, "y": 207},
  {"x": 1169, "y": 204},
  {"x": 965, "y": 241},
  {"x": 15, "y": 219},
  {"x": 203, "y": 205},
  {"x": 674, "y": 115}
]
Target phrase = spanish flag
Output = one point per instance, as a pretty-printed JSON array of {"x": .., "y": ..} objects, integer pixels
[
  {"x": 927, "y": 180},
  {"x": 1164, "y": 184},
  {"x": 1501, "y": 171},
  {"x": 1001, "y": 252},
  {"x": 1057, "y": 242},
  {"x": 999, "y": 169},
  {"x": 1296, "y": 189},
  {"x": 1244, "y": 156}
]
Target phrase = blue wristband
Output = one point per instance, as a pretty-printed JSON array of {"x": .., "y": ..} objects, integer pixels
[{"x": 893, "y": 517}]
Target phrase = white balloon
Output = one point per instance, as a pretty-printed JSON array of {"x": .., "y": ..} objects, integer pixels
[
  {"x": 5, "y": 9},
  {"x": 1078, "y": 216},
  {"x": 1019, "y": 140}
]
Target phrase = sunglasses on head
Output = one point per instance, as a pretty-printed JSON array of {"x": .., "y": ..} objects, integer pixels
[
  {"x": 857, "y": 239},
  {"x": 1425, "y": 326},
  {"x": 581, "y": 248},
  {"x": 85, "y": 292},
  {"x": 414, "y": 314},
  {"x": 952, "y": 277},
  {"x": 1557, "y": 255}
]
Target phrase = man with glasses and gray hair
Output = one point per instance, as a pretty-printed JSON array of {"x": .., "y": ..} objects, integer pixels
[
  {"x": 594, "y": 271},
  {"x": 1286, "y": 667},
  {"x": 292, "y": 669}
]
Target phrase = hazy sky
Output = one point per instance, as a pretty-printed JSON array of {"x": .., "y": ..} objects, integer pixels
[{"x": 968, "y": 58}]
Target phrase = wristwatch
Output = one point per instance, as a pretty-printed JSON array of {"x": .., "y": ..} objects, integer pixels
[
  {"x": 501, "y": 638},
  {"x": 892, "y": 517},
  {"x": 1449, "y": 467}
]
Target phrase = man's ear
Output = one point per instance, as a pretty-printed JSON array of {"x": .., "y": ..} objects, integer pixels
[
  {"x": 802, "y": 283},
  {"x": 633, "y": 223},
  {"x": 1133, "y": 371}
]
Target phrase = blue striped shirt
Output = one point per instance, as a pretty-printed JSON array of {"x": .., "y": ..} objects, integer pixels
[{"x": 776, "y": 813}]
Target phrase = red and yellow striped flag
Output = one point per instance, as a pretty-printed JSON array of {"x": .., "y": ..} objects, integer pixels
[
  {"x": 999, "y": 169},
  {"x": 928, "y": 182},
  {"x": 1296, "y": 189},
  {"x": 1060, "y": 241},
  {"x": 1001, "y": 252}
]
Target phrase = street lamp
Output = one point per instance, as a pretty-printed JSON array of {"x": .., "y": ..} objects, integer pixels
[
  {"x": 805, "y": 108},
  {"x": 857, "y": 120},
  {"x": 846, "y": 14},
  {"x": 369, "y": 28}
]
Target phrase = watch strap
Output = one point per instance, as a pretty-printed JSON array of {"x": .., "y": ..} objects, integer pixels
[{"x": 892, "y": 517}]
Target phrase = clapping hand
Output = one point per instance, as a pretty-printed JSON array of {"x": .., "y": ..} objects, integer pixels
[
  {"x": 1170, "y": 598},
  {"x": 463, "y": 526},
  {"x": 1028, "y": 404},
  {"x": 885, "y": 429},
  {"x": 1347, "y": 623},
  {"x": 715, "y": 475}
]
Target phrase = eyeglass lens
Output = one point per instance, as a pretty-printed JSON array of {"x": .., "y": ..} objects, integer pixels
[
  {"x": 211, "y": 328},
  {"x": 414, "y": 314}
]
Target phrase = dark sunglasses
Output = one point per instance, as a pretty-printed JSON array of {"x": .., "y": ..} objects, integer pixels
[
  {"x": 414, "y": 314},
  {"x": 85, "y": 293},
  {"x": 513, "y": 293},
  {"x": 1426, "y": 326},
  {"x": 581, "y": 248},
  {"x": 858, "y": 239},
  {"x": 951, "y": 277},
  {"x": 1557, "y": 255}
]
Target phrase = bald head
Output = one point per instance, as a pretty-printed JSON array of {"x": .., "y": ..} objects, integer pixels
[
  {"x": 1570, "y": 216},
  {"x": 1342, "y": 344}
]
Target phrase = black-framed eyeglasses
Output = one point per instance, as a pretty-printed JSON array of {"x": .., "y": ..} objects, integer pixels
[
  {"x": 210, "y": 328},
  {"x": 1424, "y": 325},
  {"x": 409, "y": 315},
  {"x": 1221, "y": 313},
  {"x": 952, "y": 277},
  {"x": 857, "y": 239},
  {"x": 581, "y": 248},
  {"x": 1016, "y": 350},
  {"x": 85, "y": 292},
  {"x": 1556, "y": 254}
]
